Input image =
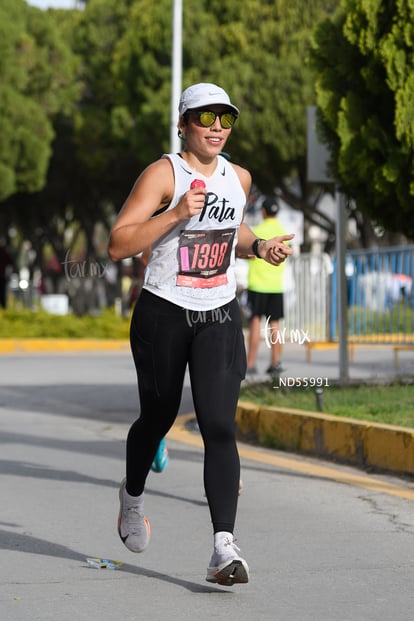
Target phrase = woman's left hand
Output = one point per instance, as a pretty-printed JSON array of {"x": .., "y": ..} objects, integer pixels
[{"x": 274, "y": 250}]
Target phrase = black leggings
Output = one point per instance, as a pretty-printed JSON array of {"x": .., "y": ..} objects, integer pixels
[{"x": 164, "y": 339}]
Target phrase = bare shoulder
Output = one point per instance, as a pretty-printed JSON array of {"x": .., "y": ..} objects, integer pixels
[
  {"x": 153, "y": 189},
  {"x": 244, "y": 177},
  {"x": 157, "y": 179},
  {"x": 160, "y": 169}
]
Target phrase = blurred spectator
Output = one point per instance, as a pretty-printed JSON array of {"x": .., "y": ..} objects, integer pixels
[
  {"x": 265, "y": 292},
  {"x": 5, "y": 264}
]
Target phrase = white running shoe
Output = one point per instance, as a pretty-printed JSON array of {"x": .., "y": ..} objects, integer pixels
[
  {"x": 133, "y": 526},
  {"x": 226, "y": 566}
]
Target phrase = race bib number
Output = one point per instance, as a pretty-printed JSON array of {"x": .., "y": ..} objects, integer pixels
[{"x": 204, "y": 257}]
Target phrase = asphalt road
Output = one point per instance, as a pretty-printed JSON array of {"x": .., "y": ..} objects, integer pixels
[
  {"x": 319, "y": 549},
  {"x": 98, "y": 386}
]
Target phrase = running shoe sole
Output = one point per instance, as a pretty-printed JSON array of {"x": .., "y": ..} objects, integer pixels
[{"x": 227, "y": 574}]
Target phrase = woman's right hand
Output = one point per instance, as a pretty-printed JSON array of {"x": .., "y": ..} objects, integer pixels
[{"x": 191, "y": 203}]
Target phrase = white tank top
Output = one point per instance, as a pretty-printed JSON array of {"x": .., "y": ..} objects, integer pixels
[{"x": 193, "y": 265}]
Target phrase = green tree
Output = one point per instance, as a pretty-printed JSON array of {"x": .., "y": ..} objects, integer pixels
[
  {"x": 258, "y": 54},
  {"x": 34, "y": 85},
  {"x": 364, "y": 61},
  {"x": 121, "y": 66},
  {"x": 82, "y": 170},
  {"x": 123, "y": 118},
  {"x": 89, "y": 171}
]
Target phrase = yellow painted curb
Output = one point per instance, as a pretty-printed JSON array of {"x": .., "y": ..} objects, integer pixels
[
  {"x": 393, "y": 447},
  {"x": 14, "y": 346},
  {"x": 361, "y": 443},
  {"x": 180, "y": 433}
]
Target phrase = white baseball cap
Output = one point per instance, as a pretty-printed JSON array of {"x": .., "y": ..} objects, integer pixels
[{"x": 204, "y": 94}]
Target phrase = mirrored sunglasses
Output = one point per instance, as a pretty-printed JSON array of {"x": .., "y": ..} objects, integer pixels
[{"x": 207, "y": 118}]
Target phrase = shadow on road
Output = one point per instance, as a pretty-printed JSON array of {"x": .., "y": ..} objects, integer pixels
[
  {"x": 33, "y": 545},
  {"x": 116, "y": 403}
]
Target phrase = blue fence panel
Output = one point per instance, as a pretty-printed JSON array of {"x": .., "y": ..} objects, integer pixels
[{"x": 380, "y": 295}]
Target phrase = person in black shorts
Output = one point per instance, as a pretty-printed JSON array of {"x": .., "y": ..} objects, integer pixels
[{"x": 265, "y": 294}]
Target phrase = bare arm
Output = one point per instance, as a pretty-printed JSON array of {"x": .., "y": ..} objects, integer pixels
[{"x": 135, "y": 229}]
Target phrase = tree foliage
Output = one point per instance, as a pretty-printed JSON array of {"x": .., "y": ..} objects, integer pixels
[
  {"x": 258, "y": 54},
  {"x": 364, "y": 59},
  {"x": 86, "y": 163},
  {"x": 35, "y": 83},
  {"x": 110, "y": 115}
]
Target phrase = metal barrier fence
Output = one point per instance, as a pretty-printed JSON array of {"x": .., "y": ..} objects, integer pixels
[
  {"x": 380, "y": 296},
  {"x": 307, "y": 297}
]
